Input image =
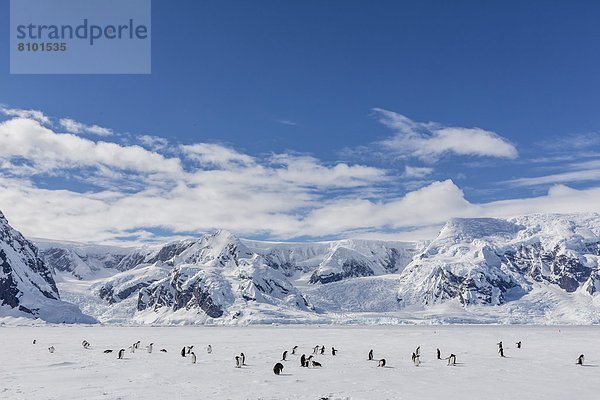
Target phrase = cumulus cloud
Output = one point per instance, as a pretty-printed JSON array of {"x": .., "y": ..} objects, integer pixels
[
  {"x": 31, "y": 114},
  {"x": 76, "y": 127},
  {"x": 429, "y": 141}
]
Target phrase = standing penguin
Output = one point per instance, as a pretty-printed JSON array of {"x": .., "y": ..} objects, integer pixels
[
  {"x": 121, "y": 353},
  {"x": 381, "y": 363},
  {"x": 284, "y": 356},
  {"x": 51, "y": 349},
  {"x": 209, "y": 349},
  {"x": 418, "y": 351},
  {"x": 193, "y": 357},
  {"x": 183, "y": 352},
  {"x": 303, "y": 361},
  {"x": 371, "y": 355},
  {"x": 519, "y": 344},
  {"x": 413, "y": 357},
  {"x": 316, "y": 349},
  {"x": 580, "y": 360},
  {"x": 322, "y": 349},
  {"x": 333, "y": 351},
  {"x": 34, "y": 341},
  {"x": 278, "y": 368},
  {"x": 294, "y": 349},
  {"x": 149, "y": 347},
  {"x": 439, "y": 354},
  {"x": 238, "y": 362},
  {"x": 452, "y": 360},
  {"x": 137, "y": 344},
  {"x": 243, "y": 358}
]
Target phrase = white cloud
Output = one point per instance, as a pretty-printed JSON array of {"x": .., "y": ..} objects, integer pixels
[
  {"x": 429, "y": 141},
  {"x": 154, "y": 143},
  {"x": 417, "y": 172},
  {"x": 31, "y": 114},
  {"x": 47, "y": 150},
  {"x": 287, "y": 122},
  {"x": 214, "y": 154},
  {"x": 76, "y": 127},
  {"x": 578, "y": 172}
]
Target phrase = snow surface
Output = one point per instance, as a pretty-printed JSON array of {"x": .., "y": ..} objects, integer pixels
[{"x": 544, "y": 368}]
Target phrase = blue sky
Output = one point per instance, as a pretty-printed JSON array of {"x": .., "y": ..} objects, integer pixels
[{"x": 311, "y": 119}]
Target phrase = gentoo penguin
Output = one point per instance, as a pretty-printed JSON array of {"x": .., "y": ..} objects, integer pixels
[
  {"x": 34, "y": 341},
  {"x": 193, "y": 357},
  {"x": 189, "y": 349},
  {"x": 322, "y": 350},
  {"x": 51, "y": 349},
  {"x": 417, "y": 360},
  {"x": 209, "y": 349},
  {"x": 278, "y": 368},
  {"x": 121, "y": 353},
  {"x": 381, "y": 363},
  {"x": 163, "y": 350},
  {"x": 108, "y": 351},
  {"x": 439, "y": 354},
  {"x": 312, "y": 363},
  {"x": 284, "y": 356},
  {"x": 418, "y": 351},
  {"x": 452, "y": 360},
  {"x": 238, "y": 362},
  {"x": 316, "y": 349},
  {"x": 294, "y": 349},
  {"x": 183, "y": 352},
  {"x": 580, "y": 360},
  {"x": 519, "y": 344},
  {"x": 303, "y": 361},
  {"x": 149, "y": 347},
  {"x": 333, "y": 351},
  {"x": 243, "y": 358},
  {"x": 371, "y": 355}
]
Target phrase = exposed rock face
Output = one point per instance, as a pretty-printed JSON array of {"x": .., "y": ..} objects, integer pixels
[
  {"x": 27, "y": 287},
  {"x": 486, "y": 260}
]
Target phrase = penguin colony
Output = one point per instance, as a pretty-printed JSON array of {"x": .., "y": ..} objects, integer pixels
[{"x": 305, "y": 362}]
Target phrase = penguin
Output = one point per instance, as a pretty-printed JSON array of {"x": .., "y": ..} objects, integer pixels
[
  {"x": 316, "y": 349},
  {"x": 417, "y": 360},
  {"x": 294, "y": 349},
  {"x": 121, "y": 353},
  {"x": 163, "y": 350},
  {"x": 51, "y": 349},
  {"x": 149, "y": 347},
  {"x": 381, "y": 363},
  {"x": 193, "y": 357},
  {"x": 284, "y": 356},
  {"x": 278, "y": 368},
  {"x": 452, "y": 360},
  {"x": 238, "y": 362},
  {"x": 243, "y": 358},
  {"x": 209, "y": 349},
  {"x": 189, "y": 349},
  {"x": 34, "y": 341},
  {"x": 303, "y": 360},
  {"x": 132, "y": 349},
  {"x": 418, "y": 351},
  {"x": 439, "y": 354},
  {"x": 333, "y": 351},
  {"x": 371, "y": 355},
  {"x": 413, "y": 357},
  {"x": 499, "y": 345},
  {"x": 137, "y": 344},
  {"x": 580, "y": 360},
  {"x": 519, "y": 344},
  {"x": 501, "y": 352},
  {"x": 183, "y": 352},
  {"x": 322, "y": 350},
  {"x": 108, "y": 351},
  {"x": 85, "y": 344},
  {"x": 312, "y": 363}
]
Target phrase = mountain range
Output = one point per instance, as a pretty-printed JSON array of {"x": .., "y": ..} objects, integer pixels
[{"x": 527, "y": 269}]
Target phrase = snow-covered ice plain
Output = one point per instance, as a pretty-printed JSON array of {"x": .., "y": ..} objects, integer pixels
[{"x": 544, "y": 368}]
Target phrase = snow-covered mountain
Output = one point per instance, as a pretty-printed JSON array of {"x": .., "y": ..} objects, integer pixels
[
  {"x": 27, "y": 287},
  {"x": 539, "y": 268}
]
